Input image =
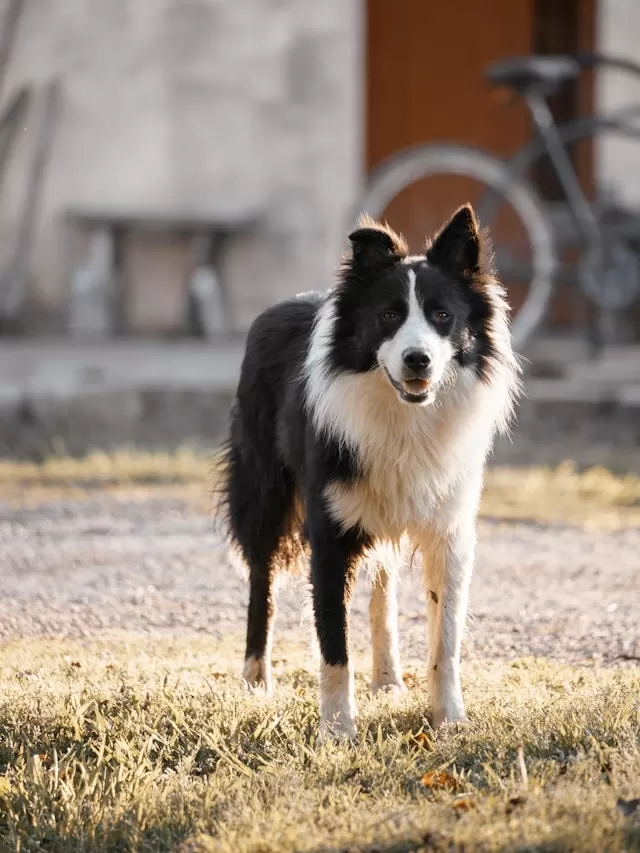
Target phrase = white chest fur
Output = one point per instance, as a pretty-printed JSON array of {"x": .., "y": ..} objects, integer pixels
[{"x": 412, "y": 458}]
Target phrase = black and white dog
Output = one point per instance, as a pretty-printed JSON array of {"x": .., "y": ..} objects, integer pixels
[{"x": 363, "y": 418}]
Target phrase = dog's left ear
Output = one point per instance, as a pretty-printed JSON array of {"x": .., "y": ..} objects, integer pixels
[{"x": 457, "y": 247}]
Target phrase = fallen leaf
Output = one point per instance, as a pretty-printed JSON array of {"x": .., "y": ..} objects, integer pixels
[
  {"x": 628, "y": 807},
  {"x": 513, "y": 803},
  {"x": 409, "y": 679},
  {"x": 439, "y": 779},
  {"x": 464, "y": 805},
  {"x": 422, "y": 740}
]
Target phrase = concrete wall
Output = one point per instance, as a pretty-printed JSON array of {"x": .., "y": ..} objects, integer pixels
[
  {"x": 199, "y": 105},
  {"x": 617, "y": 158}
]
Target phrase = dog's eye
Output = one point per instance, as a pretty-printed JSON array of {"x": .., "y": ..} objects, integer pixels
[
  {"x": 389, "y": 316},
  {"x": 441, "y": 316}
]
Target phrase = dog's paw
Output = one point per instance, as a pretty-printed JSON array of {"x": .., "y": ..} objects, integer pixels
[
  {"x": 449, "y": 721},
  {"x": 337, "y": 703},
  {"x": 446, "y": 701},
  {"x": 258, "y": 687},
  {"x": 390, "y": 687},
  {"x": 339, "y": 728},
  {"x": 256, "y": 676}
]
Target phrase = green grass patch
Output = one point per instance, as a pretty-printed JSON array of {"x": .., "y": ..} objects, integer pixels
[{"x": 152, "y": 745}]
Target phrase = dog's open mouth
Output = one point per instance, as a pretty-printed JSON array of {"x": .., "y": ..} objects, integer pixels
[
  {"x": 416, "y": 387},
  {"x": 412, "y": 390}
]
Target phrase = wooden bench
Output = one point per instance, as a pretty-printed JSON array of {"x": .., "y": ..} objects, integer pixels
[{"x": 96, "y": 293}]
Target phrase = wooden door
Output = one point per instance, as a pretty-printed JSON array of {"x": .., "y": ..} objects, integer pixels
[
  {"x": 425, "y": 83},
  {"x": 425, "y": 63}
]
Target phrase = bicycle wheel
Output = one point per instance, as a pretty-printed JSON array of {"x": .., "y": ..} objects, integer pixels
[
  {"x": 408, "y": 191},
  {"x": 611, "y": 281}
]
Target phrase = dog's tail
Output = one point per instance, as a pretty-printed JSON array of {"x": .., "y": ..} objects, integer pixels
[{"x": 220, "y": 493}]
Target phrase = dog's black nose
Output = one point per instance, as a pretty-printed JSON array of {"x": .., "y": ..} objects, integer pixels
[{"x": 416, "y": 359}]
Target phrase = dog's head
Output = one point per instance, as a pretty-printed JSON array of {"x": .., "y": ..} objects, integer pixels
[{"x": 418, "y": 318}]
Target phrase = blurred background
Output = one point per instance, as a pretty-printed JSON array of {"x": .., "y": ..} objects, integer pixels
[{"x": 169, "y": 168}]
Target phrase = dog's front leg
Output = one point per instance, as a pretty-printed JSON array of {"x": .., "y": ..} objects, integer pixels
[
  {"x": 383, "y": 616},
  {"x": 334, "y": 556},
  {"x": 447, "y": 559}
]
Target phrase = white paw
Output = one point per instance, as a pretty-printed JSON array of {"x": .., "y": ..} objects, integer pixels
[
  {"x": 446, "y": 698},
  {"x": 338, "y": 727},
  {"x": 445, "y": 716},
  {"x": 391, "y": 686},
  {"x": 257, "y": 675},
  {"x": 337, "y": 702}
]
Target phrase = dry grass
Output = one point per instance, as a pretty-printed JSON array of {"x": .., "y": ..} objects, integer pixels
[
  {"x": 118, "y": 468},
  {"x": 134, "y": 744},
  {"x": 595, "y": 497},
  {"x": 562, "y": 495},
  {"x": 130, "y": 743}
]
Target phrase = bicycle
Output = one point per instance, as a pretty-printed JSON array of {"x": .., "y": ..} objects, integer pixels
[{"x": 608, "y": 268}]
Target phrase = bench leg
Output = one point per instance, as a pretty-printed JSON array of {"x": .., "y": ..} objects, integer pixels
[
  {"x": 91, "y": 302},
  {"x": 207, "y": 314}
]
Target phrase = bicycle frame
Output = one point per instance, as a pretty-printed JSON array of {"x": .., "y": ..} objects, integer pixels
[
  {"x": 506, "y": 181},
  {"x": 579, "y": 206},
  {"x": 575, "y": 131},
  {"x": 552, "y": 139}
]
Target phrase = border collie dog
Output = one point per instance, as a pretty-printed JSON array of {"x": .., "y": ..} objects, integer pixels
[{"x": 362, "y": 420}]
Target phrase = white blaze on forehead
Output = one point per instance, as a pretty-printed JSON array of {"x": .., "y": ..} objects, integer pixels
[
  {"x": 416, "y": 326},
  {"x": 415, "y": 333}
]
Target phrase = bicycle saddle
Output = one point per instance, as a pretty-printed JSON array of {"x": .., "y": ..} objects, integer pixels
[{"x": 541, "y": 73}]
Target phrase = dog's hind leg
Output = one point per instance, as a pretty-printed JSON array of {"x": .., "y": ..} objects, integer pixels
[
  {"x": 383, "y": 617},
  {"x": 257, "y": 659},
  {"x": 260, "y": 511}
]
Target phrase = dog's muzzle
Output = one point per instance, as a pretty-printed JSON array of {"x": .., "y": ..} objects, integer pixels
[
  {"x": 412, "y": 388},
  {"x": 415, "y": 383},
  {"x": 416, "y": 364}
]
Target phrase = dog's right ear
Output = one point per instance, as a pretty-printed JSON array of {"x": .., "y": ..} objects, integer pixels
[{"x": 375, "y": 245}]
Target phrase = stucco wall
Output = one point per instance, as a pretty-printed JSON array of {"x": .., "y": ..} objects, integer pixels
[
  {"x": 199, "y": 105},
  {"x": 618, "y": 159}
]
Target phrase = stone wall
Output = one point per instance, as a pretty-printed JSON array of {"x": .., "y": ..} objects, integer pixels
[
  {"x": 205, "y": 106},
  {"x": 618, "y": 34}
]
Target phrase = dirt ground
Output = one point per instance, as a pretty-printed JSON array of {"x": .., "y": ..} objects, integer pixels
[{"x": 152, "y": 563}]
